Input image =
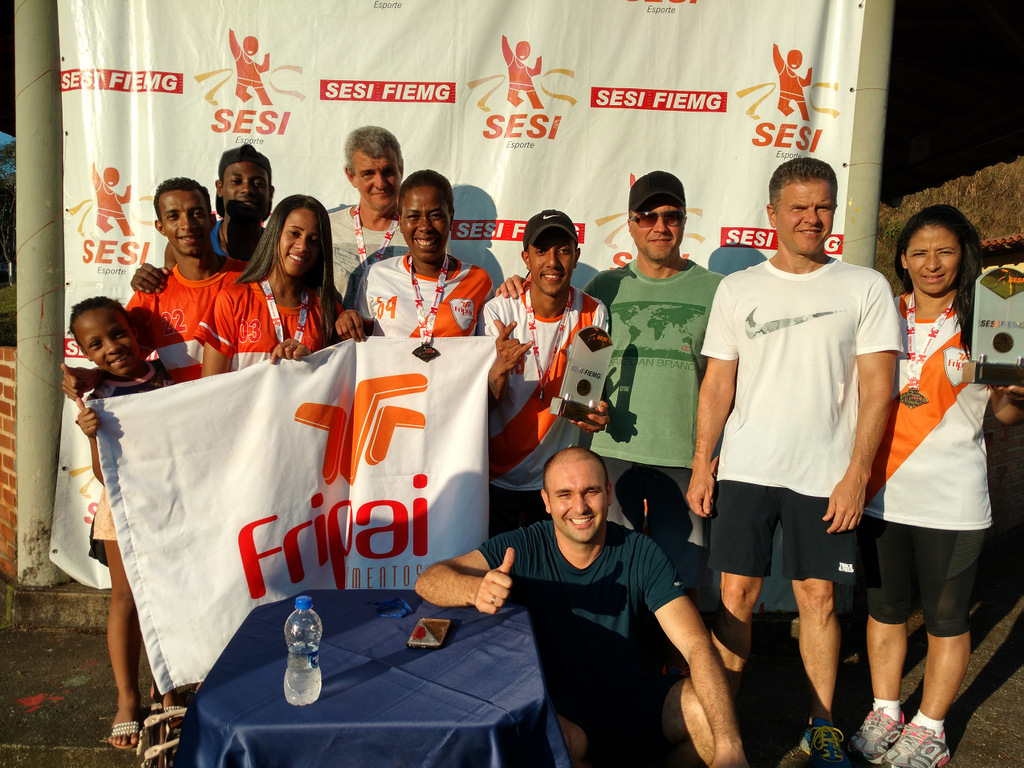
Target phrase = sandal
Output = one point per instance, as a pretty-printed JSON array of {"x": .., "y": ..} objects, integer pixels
[{"x": 127, "y": 728}]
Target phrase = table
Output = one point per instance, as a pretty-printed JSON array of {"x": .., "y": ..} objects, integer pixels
[{"x": 477, "y": 701}]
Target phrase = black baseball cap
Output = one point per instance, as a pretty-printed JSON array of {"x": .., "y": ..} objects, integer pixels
[
  {"x": 545, "y": 220},
  {"x": 655, "y": 183},
  {"x": 246, "y": 153}
]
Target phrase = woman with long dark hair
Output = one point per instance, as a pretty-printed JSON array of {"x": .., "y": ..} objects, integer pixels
[
  {"x": 927, "y": 501},
  {"x": 284, "y": 304}
]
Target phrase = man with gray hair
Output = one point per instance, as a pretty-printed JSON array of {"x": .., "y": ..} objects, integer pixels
[
  {"x": 365, "y": 232},
  {"x": 801, "y": 353}
]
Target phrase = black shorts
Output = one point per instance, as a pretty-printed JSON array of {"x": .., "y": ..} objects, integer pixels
[
  {"x": 652, "y": 497},
  {"x": 622, "y": 729},
  {"x": 742, "y": 533},
  {"x": 945, "y": 563}
]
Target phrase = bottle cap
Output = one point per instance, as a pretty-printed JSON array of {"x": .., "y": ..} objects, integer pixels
[{"x": 303, "y": 603}]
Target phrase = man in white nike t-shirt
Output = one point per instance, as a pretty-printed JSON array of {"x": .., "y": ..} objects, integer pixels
[{"x": 801, "y": 352}]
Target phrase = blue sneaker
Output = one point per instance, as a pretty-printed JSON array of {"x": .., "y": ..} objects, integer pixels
[
  {"x": 826, "y": 745},
  {"x": 805, "y": 741}
]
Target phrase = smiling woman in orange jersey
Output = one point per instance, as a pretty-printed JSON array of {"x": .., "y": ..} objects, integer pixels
[
  {"x": 284, "y": 303},
  {"x": 927, "y": 500},
  {"x": 427, "y": 292}
]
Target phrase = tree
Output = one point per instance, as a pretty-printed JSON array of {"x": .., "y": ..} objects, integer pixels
[{"x": 8, "y": 242}]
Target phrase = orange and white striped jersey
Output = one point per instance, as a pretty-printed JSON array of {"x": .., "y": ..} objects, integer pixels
[
  {"x": 166, "y": 322},
  {"x": 931, "y": 467},
  {"x": 523, "y": 434},
  {"x": 386, "y": 296},
  {"x": 240, "y": 327}
]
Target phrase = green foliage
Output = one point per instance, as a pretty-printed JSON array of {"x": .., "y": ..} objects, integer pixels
[
  {"x": 8, "y": 316},
  {"x": 8, "y": 242}
]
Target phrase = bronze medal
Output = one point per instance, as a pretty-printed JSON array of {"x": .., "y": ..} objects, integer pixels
[
  {"x": 913, "y": 398},
  {"x": 426, "y": 352}
]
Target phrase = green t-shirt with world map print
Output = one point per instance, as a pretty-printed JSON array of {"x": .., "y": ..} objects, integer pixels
[{"x": 657, "y": 328}]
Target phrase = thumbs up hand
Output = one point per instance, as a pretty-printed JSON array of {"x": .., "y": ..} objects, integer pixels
[{"x": 496, "y": 585}]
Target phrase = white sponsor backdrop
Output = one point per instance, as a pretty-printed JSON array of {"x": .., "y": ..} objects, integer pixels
[
  {"x": 356, "y": 467},
  {"x": 620, "y": 88}
]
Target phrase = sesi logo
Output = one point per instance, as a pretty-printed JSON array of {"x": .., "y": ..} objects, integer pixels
[
  {"x": 379, "y": 529},
  {"x": 387, "y": 91},
  {"x": 765, "y": 238},
  {"x": 796, "y": 101},
  {"x": 116, "y": 245},
  {"x": 524, "y": 121},
  {"x": 124, "y": 81},
  {"x": 511, "y": 230},
  {"x": 253, "y": 75},
  {"x": 619, "y": 238}
]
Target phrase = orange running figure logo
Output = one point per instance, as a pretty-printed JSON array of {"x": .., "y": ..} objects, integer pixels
[
  {"x": 791, "y": 85},
  {"x": 109, "y": 204},
  {"x": 248, "y": 72},
  {"x": 520, "y": 74}
]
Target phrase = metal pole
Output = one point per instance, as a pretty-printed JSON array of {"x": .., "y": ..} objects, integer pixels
[
  {"x": 865, "y": 179},
  {"x": 41, "y": 282}
]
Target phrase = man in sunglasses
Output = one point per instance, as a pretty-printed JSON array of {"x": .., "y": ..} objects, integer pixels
[{"x": 658, "y": 307}]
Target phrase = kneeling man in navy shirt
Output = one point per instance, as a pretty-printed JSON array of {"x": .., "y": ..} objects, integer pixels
[{"x": 585, "y": 582}]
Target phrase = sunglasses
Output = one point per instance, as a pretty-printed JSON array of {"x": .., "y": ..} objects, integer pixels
[{"x": 647, "y": 219}]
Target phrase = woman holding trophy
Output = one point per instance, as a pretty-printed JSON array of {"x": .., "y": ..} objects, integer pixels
[{"x": 927, "y": 503}]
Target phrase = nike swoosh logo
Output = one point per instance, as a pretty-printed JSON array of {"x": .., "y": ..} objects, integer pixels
[
  {"x": 552, "y": 216},
  {"x": 755, "y": 329}
]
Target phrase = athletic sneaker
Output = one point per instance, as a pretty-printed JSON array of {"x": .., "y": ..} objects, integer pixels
[
  {"x": 826, "y": 744},
  {"x": 918, "y": 747},
  {"x": 876, "y": 736}
]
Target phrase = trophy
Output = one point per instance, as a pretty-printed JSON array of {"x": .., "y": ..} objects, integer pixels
[
  {"x": 589, "y": 356},
  {"x": 998, "y": 343}
]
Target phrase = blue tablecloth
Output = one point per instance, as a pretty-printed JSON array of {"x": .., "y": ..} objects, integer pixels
[{"x": 477, "y": 701}]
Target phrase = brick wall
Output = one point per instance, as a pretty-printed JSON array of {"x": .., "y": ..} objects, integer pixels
[
  {"x": 1005, "y": 474},
  {"x": 8, "y": 478}
]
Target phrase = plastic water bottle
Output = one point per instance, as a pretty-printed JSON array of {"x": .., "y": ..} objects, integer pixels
[{"x": 302, "y": 633}]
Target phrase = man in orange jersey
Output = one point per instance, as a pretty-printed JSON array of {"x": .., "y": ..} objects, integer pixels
[
  {"x": 529, "y": 367},
  {"x": 165, "y": 322}
]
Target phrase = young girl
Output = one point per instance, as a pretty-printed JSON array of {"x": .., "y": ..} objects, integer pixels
[
  {"x": 427, "y": 292},
  {"x": 284, "y": 303},
  {"x": 101, "y": 328}
]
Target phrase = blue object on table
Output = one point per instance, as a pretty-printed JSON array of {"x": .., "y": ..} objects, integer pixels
[{"x": 479, "y": 700}]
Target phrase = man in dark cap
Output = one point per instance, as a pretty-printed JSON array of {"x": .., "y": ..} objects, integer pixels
[
  {"x": 245, "y": 196},
  {"x": 658, "y": 306},
  {"x": 532, "y": 334}
]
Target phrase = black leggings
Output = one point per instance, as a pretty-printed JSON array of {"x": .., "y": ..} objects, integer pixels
[{"x": 946, "y": 563}]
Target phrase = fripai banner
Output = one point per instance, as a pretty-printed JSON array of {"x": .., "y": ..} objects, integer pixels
[
  {"x": 356, "y": 467},
  {"x": 523, "y": 106}
]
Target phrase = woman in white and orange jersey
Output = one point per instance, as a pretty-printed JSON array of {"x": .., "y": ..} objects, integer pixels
[
  {"x": 284, "y": 303},
  {"x": 427, "y": 292},
  {"x": 927, "y": 503}
]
